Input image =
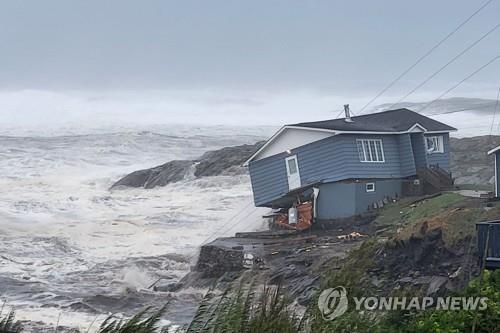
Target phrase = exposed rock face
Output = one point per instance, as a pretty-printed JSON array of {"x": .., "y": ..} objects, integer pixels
[
  {"x": 469, "y": 162},
  {"x": 225, "y": 161},
  {"x": 161, "y": 175}
]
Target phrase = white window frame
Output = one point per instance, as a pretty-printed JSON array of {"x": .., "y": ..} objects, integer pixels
[
  {"x": 296, "y": 174},
  {"x": 368, "y": 152},
  {"x": 296, "y": 162},
  {"x": 438, "y": 140},
  {"x": 372, "y": 185}
]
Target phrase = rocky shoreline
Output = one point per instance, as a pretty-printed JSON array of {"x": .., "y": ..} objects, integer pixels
[
  {"x": 427, "y": 249},
  {"x": 225, "y": 161}
]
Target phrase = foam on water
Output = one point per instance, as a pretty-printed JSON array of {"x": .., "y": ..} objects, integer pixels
[{"x": 65, "y": 238}]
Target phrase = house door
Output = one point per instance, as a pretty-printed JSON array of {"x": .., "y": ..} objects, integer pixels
[{"x": 292, "y": 170}]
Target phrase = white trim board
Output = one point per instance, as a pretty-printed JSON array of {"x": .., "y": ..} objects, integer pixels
[
  {"x": 496, "y": 178},
  {"x": 292, "y": 138},
  {"x": 494, "y": 150}
]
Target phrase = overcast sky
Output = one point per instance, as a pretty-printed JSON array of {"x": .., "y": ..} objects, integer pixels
[{"x": 230, "y": 61}]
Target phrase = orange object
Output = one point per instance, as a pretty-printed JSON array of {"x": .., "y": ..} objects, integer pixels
[{"x": 305, "y": 215}]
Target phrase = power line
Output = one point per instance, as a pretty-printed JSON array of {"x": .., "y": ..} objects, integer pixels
[
  {"x": 419, "y": 60},
  {"x": 338, "y": 114},
  {"x": 225, "y": 224},
  {"x": 459, "y": 83},
  {"x": 446, "y": 65},
  {"x": 243, "y": 219}
]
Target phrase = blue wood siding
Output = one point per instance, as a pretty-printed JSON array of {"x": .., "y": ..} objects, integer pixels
[
  {"x": 419, "y": 150},
  {"x": 336, "y": 200},
  {"x": 346, "y": 199},
  {"x": 389, "y": 188},
  {"x": 269, "y": 178},
  {"x": 328, "y": 160},
  {"x": 441, "y": 159},
  {"x": 337, "y": 158},
  {"x": 406, "y": 155}
]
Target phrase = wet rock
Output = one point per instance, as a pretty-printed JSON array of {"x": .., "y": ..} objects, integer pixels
[
  {"x": 215, "y": 259},
  {"x": 435, "y": 284},
  {"x": 81, "y": 307},
  {"x": 225, "y": 161},
  {"x": 217, "y": 162},
  {"x": 162, "y": 175}
]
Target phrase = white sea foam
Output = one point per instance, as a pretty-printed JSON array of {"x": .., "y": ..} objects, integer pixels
[{"x": 65, "y": 238}]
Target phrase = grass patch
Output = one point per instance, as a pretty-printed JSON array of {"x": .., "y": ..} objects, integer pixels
[
  {"x": 239, "y": 311},
  {"x": 455, "y": 216},
  {"x": 351, "y": 275},
  {"x": 477, "y": 187},
  {"x": 403, "y": 212},
  {"x": 457, "y": 222},
  {"x": 353, "y": 268},
  {"x": 488, "y": 320}
]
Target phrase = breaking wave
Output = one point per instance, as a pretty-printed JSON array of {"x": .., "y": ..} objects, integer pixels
[{"x": 72, "y": 249}]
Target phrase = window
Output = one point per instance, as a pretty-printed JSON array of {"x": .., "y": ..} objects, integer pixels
[
  {"x": 370, "y": 150},
  {"x": 434, "y": 144},
  {"x": 292, "y": 165},
  {"x": 370, "y": 187}
]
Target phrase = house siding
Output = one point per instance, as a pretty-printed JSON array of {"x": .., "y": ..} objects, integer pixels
[
  {"x": 441, "y": 159},
  {"x": 390, "y": 188},
  {"x": 336, "y": 200},
  {"x": 406, "y": 155},
  {"x": 337, "y": 158},
  {"x": 269, "y": 179},
  {"x": 419, "y": 150},
  {"x": 346, "y": 199},
  {"x": 329, "y": 160}
]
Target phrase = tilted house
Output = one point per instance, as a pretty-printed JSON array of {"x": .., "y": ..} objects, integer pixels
[{"x": 355, "y": 162}]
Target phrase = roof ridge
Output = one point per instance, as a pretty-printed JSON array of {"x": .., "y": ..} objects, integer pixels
[{"x": 363, "y": 115}]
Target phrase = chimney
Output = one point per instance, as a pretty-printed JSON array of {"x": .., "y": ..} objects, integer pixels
[{"x": 347, "y": 114}]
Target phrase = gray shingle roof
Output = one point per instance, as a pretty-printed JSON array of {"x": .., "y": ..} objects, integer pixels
[{"x": 387, "y": 121}]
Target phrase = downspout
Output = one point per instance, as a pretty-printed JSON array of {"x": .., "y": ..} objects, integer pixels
[
  {"x": 496, "y": 176},
  {"x": 315, "y": 202}
]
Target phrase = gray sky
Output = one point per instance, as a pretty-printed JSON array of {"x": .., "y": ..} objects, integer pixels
[{"x": 317, "y": 54}]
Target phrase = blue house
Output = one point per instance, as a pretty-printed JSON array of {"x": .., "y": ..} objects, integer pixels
[{"x": 353, "y": 164}]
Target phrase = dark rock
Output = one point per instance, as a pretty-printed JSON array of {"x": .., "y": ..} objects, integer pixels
[
  {"x": 81, "y": 307},
  {"x": 215, "y": 162},
  {"x": 225, "y": 161},
  {"x": 435, "y": 284},
  {"x": 216, "y": 259},
  {"x": 169, "y": 172}
]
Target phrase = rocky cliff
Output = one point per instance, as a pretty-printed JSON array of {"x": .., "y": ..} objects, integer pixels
[{"x": 225, "y": 161}]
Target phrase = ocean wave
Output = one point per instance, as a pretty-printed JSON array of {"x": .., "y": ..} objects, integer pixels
[{"x": 65, "y": 239}]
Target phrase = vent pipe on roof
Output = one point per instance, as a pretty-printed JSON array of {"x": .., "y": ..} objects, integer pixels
[{"x": 347, "y": 114}]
